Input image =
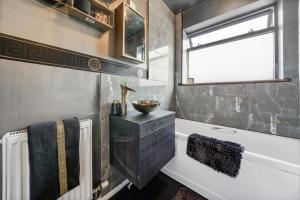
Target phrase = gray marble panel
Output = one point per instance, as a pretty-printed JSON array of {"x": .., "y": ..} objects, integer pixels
[
  {"x": 269, "y": 108},
  {"x": 290, "y": 38}
]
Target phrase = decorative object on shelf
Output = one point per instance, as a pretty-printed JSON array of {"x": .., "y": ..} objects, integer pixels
[
  {"x": 102, "y": 17},
  {"x": 146, "y": 106},
  {"x": 84, "y": 10},
  {"x": 83, "y": 5}
]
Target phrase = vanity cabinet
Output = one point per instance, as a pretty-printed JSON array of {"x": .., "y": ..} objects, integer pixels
[{"x": 140, "y": 145}]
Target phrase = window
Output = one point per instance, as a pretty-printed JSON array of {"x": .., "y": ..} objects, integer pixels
[{"x": 243, "y": 49}]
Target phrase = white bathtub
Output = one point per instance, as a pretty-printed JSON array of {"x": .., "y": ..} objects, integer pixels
[{"x": 270, "y": 168}]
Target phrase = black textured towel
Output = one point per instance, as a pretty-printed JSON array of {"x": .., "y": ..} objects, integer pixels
[
  {"x": 43, "y": 162},
  {"x": 223, "y": 156}
]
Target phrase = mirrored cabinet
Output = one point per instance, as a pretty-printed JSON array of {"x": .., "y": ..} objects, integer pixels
[{"x": 130, "y": 34}]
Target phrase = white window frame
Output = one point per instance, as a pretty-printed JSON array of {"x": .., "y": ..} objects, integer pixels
[{"x": 271, "y": 11}]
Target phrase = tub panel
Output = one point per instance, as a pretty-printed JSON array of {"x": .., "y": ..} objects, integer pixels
[{"x": 260, "y": 178}]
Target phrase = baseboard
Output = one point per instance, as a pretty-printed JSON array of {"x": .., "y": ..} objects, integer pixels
[
  {"x": 114, "y": 191},
  {"x": 192, "y": 185}
]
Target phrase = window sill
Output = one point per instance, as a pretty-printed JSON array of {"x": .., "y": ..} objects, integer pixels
[{"x": 238, "y": 82}]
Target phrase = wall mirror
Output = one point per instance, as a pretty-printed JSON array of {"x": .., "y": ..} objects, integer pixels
[{"x": 130, "y": 34}]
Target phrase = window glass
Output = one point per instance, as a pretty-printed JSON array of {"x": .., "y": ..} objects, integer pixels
[
  {"x": 241, "y": 60},
  {"x": 255, "y": 24}
]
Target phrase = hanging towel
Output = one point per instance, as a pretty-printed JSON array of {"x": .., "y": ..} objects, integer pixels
[
  {"x": 53, "y": 158},
  {"x": 222, "y": 156}
]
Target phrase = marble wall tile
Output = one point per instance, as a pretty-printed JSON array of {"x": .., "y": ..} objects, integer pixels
[
  {"x": 161, "y": 43},
  {"x": 269, "y": 108},
  {"x": 158, "y": 74},
  {"x": 290, "y": 38}
]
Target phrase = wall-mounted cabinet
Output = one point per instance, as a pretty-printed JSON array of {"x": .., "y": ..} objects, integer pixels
[
  {"x": 140, "y": 145},
  {"x": 130, "y": 34},
  {"x": 92, "y": 12}
]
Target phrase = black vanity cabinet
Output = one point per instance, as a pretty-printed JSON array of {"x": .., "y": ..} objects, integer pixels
[{"x": 140, "y": 145}]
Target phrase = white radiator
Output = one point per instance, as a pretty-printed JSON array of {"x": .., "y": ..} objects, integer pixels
[{"x": 15, "y": 164}]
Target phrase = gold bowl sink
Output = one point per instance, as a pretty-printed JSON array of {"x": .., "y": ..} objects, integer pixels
[{"x": 146, "y": 106}]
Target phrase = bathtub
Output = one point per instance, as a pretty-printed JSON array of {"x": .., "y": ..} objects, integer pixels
[{"x": 270, "y": 168}]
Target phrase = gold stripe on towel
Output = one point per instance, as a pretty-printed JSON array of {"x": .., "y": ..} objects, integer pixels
[{"x": 61, "y": 155}]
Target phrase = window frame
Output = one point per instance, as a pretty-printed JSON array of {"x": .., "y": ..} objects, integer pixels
[{"x": 272, "y": 27}]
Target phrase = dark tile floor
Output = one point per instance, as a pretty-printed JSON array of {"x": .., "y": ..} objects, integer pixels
[{"x": 160, "y": 187}]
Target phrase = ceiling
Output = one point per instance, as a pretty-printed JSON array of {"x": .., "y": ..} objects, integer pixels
[{"x": 178, "y": 6}]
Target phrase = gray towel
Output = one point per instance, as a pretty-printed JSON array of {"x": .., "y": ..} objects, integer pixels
[
  {"x": 222, "y": 156},
  {"x": 43, "y": 159}
]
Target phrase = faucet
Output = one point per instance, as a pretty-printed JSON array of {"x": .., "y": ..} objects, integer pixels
[{"x": 125, "y": 89}]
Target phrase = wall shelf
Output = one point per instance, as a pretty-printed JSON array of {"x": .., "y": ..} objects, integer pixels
[{"x": 66, "y": 7}]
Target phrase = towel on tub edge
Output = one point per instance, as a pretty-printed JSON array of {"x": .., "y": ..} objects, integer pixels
[{"x": 222, "y": 156}]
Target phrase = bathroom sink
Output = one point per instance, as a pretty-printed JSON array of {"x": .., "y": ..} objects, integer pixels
[{"x": 146, "y": 106}]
